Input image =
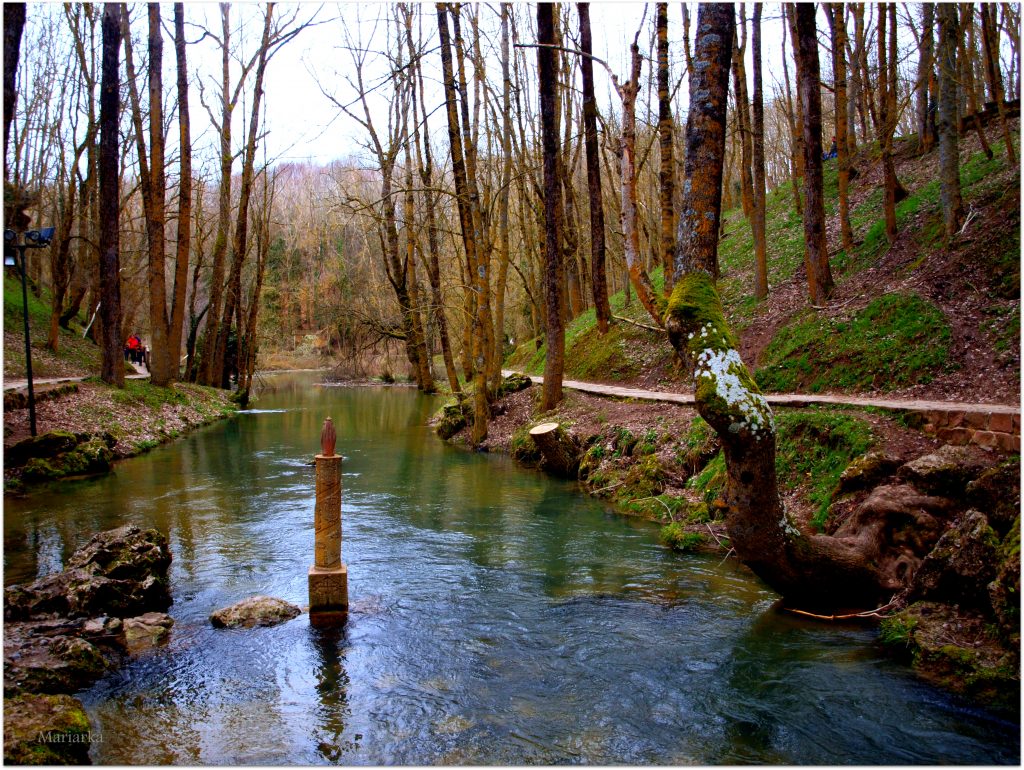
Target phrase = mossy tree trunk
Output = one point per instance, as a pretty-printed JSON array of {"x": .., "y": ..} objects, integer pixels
[{"x": 803, "y": 567}]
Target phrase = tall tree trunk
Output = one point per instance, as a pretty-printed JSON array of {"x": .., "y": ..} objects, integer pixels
[
  {"x": 742, "y": 119},
  {"x": 599, "y": 282},
  {"x": 886, "y": 126},
  {"x": 553, "y": 272},
  {"x": 184, "y": 240},
  {"x": 210, "y": 369},
  {"x": 666, "y": 174},
  {"x": 837, "y": 20},
  {"x": 949, "y": 146},
  {"x": 757, "y": 222},
  {"x": 966, "y": 90},
  {"x": 426, "y": 168},
  {"x": 109, "y": 168},
  {"x": 819, "y": 274},
  {"x": 638, "y": 276},
  {"x": 993, "y": 75},
  {"x": 240, "y": 242},
  {"x": 795, "y": 154},
  {"x": 925, "y": 69},
  {"x": 159, "y": 368},
  {"x": 14, "y": 24},
  {"x": 465, "y": 202}
]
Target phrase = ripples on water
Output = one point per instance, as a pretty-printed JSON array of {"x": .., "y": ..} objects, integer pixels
[{"x": 498, "y": 618}]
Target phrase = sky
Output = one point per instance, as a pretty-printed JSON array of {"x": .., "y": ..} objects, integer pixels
[{"x": 303, "y": 124}]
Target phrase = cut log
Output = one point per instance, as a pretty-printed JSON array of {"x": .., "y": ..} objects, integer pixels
[{"x": 559, "y": 450}]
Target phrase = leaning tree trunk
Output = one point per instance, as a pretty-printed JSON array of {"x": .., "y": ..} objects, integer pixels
[{"x": 801, "y": 566}]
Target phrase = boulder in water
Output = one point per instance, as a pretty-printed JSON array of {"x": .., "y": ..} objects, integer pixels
[
  {"x": 122, "y": 572},
  {"x": 46, "y": 730},
  {"x": 255, "y": 611}
]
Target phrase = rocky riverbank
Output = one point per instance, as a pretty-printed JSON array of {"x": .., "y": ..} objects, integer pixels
[
  {"x": 84, "y": 427},
  {"x": 66, "y": 630},
  {"x": 943, "y": 520}
]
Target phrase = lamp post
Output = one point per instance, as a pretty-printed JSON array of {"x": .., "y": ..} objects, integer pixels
[{"x": 15, "y": 245}]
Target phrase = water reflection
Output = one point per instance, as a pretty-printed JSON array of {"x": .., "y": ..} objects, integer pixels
[{"x": 498, "y": 617}]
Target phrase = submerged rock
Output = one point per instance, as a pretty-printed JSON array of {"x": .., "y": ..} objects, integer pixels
[
  {"x": 122, "y": 572},
  {"x": 48, "y": 657},
  {"x": 147, "y": 630},
  {"x": 46, "y": 730},
  {"x": 956, "y": 650},
  {"x": 255, "y": 611}
]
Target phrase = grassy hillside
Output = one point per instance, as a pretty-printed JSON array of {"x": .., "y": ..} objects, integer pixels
[
  {"x": 914, "y": 317},
  {"x": 76, "y": 356}
]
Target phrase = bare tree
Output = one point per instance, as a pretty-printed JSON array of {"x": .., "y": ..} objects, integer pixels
[
  {"x": 837, "y": 22},
  {"x": 819, "y": 273},
  {"x": 110, "y": 265},
  {"x": 599, "y": 281},
  {"x": 757, "y": 221},
  {"x": 553, "y": 270},
  {"x": 949, "y": 147}
]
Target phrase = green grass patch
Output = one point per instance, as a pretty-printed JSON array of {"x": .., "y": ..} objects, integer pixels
[
  {"x": 898, "y": 339},
  {"x": 814, "y": 447},
  {"x": 678, "y": 539}
]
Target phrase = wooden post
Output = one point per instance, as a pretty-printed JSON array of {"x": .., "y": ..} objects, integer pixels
[{"x": 328, "y": 577}]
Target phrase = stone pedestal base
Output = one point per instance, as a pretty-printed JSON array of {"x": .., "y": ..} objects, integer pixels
[{"x": 328, "y": 593}]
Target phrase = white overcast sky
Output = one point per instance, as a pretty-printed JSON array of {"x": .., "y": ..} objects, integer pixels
[{"x": 304, "y": 125}]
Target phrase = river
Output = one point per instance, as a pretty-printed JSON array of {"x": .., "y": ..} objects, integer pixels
[{"x": 499, "y": 617}]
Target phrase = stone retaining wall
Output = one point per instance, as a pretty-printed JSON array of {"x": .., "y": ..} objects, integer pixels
[{"x": 993, "y": 430}]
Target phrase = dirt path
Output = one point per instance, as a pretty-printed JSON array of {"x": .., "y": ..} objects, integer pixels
[
  {"x": 957, "y": 422},
  {"x": 37, "y": 381}
]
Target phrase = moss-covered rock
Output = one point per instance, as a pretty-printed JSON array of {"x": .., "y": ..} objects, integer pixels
[
  {"x": 454, "y": 416},
  {"x": 645, "y": 478},
  {"x": 996, "y": 493},
  {"x": 866, "y": 471},
  {"x": 961, "y": 565},
  {"x": 1004, "y": 591},
  {"x": 946, "y": 471},
  {"x": 47, "y": 445},
  {"x": 957, "y": 651},
  {"x": 46, "y": 730},
  {"x": 40, "y": 663},
  {"x": 514, "y": 383}
]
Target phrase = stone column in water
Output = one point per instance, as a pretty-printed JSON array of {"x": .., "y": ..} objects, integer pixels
[{"x": 328, "y": 577}]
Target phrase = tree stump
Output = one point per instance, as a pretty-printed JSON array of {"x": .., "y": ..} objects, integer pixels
[{"x": 559, "y": 450}]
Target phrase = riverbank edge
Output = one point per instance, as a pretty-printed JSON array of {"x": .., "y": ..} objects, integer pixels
[
  {"x": 88, "y": 429},
  {"x": 944, "y": 644}
]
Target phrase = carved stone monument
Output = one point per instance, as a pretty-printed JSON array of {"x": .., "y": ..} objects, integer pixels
[{"x": 328, "y": 577}]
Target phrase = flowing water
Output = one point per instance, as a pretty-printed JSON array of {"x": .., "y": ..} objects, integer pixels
[{"x": 499, "y": 617}]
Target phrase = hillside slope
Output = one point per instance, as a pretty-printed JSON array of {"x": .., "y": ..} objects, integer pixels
[{"x": 915, "y": 318}]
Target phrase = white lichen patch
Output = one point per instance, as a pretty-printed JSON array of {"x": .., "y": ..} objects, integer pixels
[
  {"x": 724, "y": 368},
  {"x": 787, "y": 525}
]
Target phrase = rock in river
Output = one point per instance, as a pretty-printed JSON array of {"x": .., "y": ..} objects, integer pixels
[
  {"x": 255, "y": 611},
  {"x": 46, "y": 730},
  {"x": 122, "y": 572}
]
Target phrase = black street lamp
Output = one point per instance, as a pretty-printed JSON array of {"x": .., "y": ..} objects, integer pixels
[{"x": 13, "y": 245}]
